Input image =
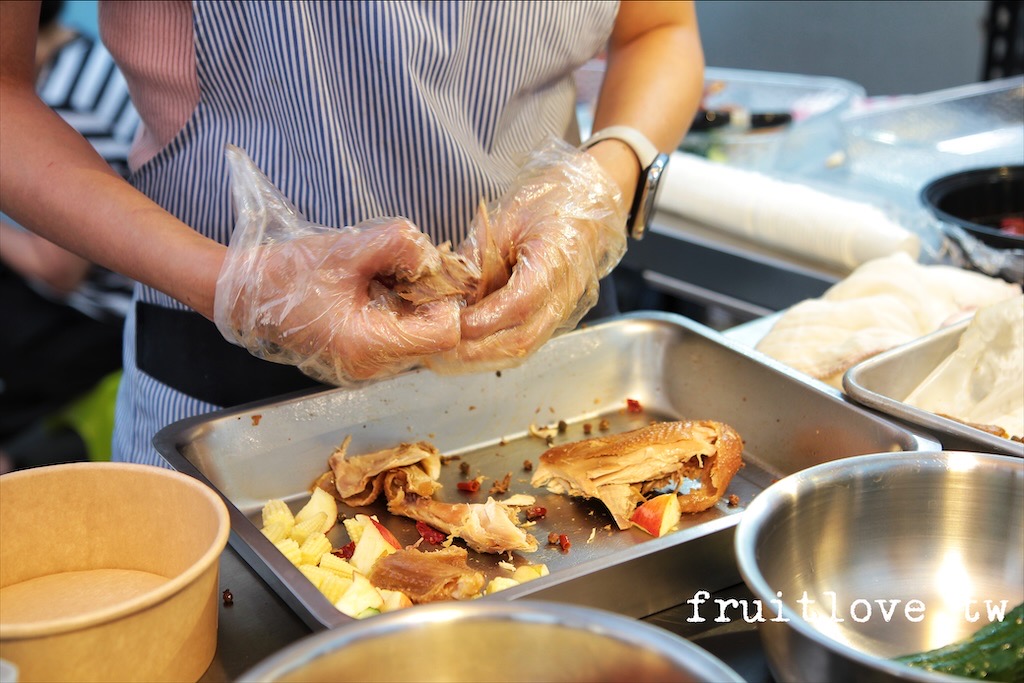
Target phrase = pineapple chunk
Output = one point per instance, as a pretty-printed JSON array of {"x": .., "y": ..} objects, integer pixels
[
  {"x": 314, "y": 548},
  {"x": 529, "y": 572},
  {"x": 320, "y": 501},
  {"x": 499, "y": 583},
  {"x": 277, "y": 511},
  {"x": 311, "y": 525},
  {"x": 333, "y": 563}
]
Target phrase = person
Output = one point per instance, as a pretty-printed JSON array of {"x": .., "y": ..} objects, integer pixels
[
  {"x": 383, "y": 125},
  {"x": 50, "y": 296}
]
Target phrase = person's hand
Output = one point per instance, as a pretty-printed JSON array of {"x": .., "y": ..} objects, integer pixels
[
  {"x": 542, "y": 249},
  {"x": 324, "y": 299}
]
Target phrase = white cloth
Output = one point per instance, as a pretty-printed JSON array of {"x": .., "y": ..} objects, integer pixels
[
  {"x": 882, "y": 304},
  {"x": 982, "y": 382}
]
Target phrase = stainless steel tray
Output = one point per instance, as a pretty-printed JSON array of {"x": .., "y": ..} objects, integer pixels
[
  {"x": 884, "y": 381},
  {"x": 675, "y": 368}
]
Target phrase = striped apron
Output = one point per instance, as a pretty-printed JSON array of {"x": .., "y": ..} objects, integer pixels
[{"x": 355, "y": 110}]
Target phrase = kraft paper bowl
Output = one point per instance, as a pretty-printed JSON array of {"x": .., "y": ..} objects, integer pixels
[
  {"x": 109, "y": 572},
  {"x": 872, "y": 557}
]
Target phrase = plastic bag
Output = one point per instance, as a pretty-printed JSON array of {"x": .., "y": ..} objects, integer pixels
[
  {"x": 541, "y": 249},
  {"x": 369, "y": 301}
]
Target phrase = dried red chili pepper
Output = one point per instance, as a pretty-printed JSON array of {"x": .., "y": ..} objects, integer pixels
[
  {"x": 536, "y": 512},
  {"x": 345, "y": 551},
  {"x": 564, "y": 542},
  {"x": 471, "y": 486},
  {"x": 633, "y": 406},
  {"x": 430, "y": 534}
]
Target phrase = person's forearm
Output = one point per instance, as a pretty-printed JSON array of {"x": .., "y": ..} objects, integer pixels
[
  {"x": 653, "y": 82},
  {"x": 54, "y": 183}
]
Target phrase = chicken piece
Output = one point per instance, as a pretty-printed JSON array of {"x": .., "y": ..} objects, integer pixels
[
  {"x": 490, "y": 527},
  {"x": 358, "y": 480},
  {"x": 455, "y": 276},
  {"x": 493, "y": 269},
  {"x": 428, "y": 576},
  {"x": 619, "y": 469},
  {"x": 407, "y": 475}
]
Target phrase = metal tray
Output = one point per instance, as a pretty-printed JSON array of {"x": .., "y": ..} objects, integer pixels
[
  {"x": 675, "y": 368},
  {"x": 884, "y": 381}
]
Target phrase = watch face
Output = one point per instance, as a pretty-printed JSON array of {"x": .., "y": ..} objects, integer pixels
[{"x": 648, "y": 194}]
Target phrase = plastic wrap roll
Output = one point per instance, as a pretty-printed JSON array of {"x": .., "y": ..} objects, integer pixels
[{"x": 780, "y": 214}]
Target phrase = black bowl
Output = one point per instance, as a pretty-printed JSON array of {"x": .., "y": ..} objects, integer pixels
[{"x": 979, "y": 201}]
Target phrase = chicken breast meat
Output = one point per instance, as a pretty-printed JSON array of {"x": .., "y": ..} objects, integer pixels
[{"x": 620, "y": 469}]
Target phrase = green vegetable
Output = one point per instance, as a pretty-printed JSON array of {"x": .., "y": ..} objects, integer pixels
[{"x": 994, "y": 653}]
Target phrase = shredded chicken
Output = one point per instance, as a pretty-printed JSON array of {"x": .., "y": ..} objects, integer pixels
[
  {"x": 620, "y": 469},
  {"x": 455, "y": 276},
  {"x": 407, "y": 476},
  {"x": 470, "y": 278},
  {"x": 494, "y": 271},
  {"x": 490, "y": 527}
]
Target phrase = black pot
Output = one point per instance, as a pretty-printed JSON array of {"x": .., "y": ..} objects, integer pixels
[{"x": 978, "y": 201}]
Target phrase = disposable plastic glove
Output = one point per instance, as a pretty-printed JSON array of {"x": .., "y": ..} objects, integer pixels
[
  {"x": 542, "y": 248},
  {"x": 325, "y": 299}
]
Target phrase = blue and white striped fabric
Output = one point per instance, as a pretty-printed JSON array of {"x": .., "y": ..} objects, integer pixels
[{"x": 359, "y": 110}]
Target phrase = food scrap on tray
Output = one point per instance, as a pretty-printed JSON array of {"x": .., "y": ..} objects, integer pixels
[
  {"x": 646, "y": 478},
  {"x": 373, "y": 573},
  {"x": 407, "y": 476},
  {"x": 621, "y": 470}
]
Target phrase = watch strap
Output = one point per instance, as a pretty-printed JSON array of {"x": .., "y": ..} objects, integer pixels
[{"x": 644, "y": 149}]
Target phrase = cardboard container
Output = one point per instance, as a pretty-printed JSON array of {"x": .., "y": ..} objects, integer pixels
[{"x": 109, "y": 571}]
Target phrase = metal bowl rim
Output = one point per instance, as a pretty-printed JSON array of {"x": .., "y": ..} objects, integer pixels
[
  {"x": 756, "y": 515},
  {"x": 677, "y": 650}
]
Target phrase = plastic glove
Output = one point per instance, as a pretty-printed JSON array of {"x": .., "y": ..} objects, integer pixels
[
  {"x": 328, "y": 300},
  {"x": 542, "y": 248}
]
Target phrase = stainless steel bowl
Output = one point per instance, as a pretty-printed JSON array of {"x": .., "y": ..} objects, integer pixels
[
  {"x": 858, "y": 539},
  {"x": 481, "y": 641}
]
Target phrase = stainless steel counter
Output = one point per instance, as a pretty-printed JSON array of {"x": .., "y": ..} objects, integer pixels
[
  {"x": 256, "y": 623},
  {"x": 700, "y": 265}
]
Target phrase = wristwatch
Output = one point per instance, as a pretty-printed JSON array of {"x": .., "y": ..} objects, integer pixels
[{"x": 652, "y": 166}]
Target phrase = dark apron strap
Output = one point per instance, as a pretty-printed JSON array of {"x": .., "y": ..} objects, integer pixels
[{"x": 187, "y": 352}]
